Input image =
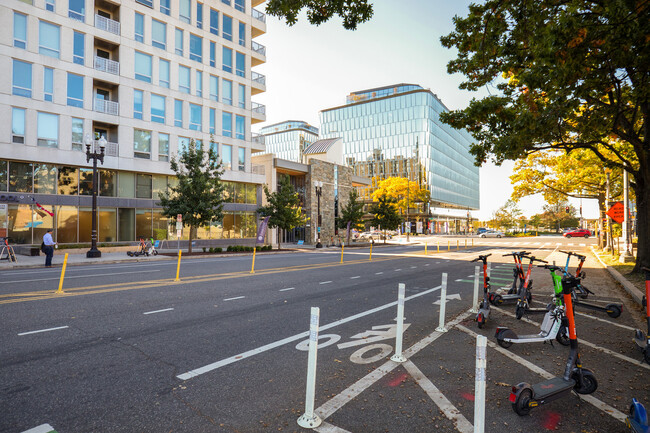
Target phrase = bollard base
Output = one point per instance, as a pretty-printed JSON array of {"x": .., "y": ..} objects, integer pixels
[
  {"x": 398, "y": 358},
  {"x": 441, "y": 329},
  {"x": 306, "y": 421},
  {"x": 473, "y": 310}
]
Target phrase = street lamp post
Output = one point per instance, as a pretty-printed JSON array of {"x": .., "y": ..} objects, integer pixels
[
  {"x": 94, "y": 252},
  {"x": 319, "y": 190}
]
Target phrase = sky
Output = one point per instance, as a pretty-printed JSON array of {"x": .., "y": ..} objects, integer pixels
[{"x": 310, "y": 68}]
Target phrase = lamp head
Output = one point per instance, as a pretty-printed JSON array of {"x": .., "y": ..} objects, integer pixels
[
  {"x": 102, "y": 143},
  {"x": 88, "y": 140}
]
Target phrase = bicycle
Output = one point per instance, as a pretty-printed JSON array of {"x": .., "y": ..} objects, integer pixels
[{"x": 8, "y": 250}]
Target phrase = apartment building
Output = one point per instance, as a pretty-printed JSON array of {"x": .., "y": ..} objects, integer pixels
[{"x": 289, "y": 139}]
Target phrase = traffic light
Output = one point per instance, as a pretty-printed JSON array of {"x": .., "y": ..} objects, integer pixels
[{"x": 567, "y": 209}]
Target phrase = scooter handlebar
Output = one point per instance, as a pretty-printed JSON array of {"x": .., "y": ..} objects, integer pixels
[
  {"x": 571, "y": 253},
  {"x": 481, "y": 258},
  {"x": 517, "y": 253},
  {"x": 551, "y": 267}
]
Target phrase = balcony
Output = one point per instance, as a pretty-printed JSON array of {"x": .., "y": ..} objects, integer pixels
[
  {"x": 111, "y": 148},
  {"x": 260, "y": 16},
  {"x": 259, "y": 112},
  {"x": 106, "y": 65},
  {"x": 258, "y": 169},
  {"x": 107, "y": 24},
  {"x": 257, "y": 2},
  {"x": 258, "y": 26},
  {"x": 259, "y": 83},
  {"x": 259, "y": 138},
  {"x": 108, "y": 107}
]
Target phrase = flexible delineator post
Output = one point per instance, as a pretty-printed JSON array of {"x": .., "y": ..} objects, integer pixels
[
  {"x": 309, "y": 419},
  {"x": 65, "y": 264},
  {"x": 398, "y": 357},
  {"x": 178, "y": 267},
  {"x": 477, "y": 271},
  {"x": 443, "y": 302},
  {"x": 253, "y": 265},
  {"x": 479, "y": 384}
]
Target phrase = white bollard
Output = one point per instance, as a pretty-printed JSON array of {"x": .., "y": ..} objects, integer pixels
[
  {"x": 443, "y": 302},
  {"x": 489, "y": 269},
  {"x": 398, "y": 357},
  {"x": 309, "y": 419},
  {"x": 479, "y": 386},
  {"x": 477, "y": 271}
]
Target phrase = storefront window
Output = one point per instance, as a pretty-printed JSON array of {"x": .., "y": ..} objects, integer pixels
[
  {"x": 41, "y": 221},
  {"x": 240, "y": 192},
  {"x": 216, "y": 229},
  {"x": 228, "y": 225},
  {"x": 20, "y": 223},
  {"x": 68, "y": 180},
  {"x": 66, "y": 217},
  {"x": 85, "y": 224},
  {"x": 159, "y": 186},
  {"x": 251, "y": 193},
  {"x": 160, "y": 225},
  {"x": 237, "y": 225},
  {"x": 126, "y": 184},
  {"x": 126, "y": 218},
  {"x": 3, "y": 220},
  {"x": 107, "y": 224},
  {"x": 20, "y": 177},
  {"x": 143, "y": 186},
  {"x": 250, "y": 224},
  {"x": 143, "y": 223},
  {"x": 108, "y": 183},
  {"x": 45, "y": 179},
  {"x": 86, "y": 181},
  {"x": 3, "y": 175},
  {"x": 228, "y": 192}
]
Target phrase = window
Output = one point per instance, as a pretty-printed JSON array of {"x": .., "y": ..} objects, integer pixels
[
  {"x": 183, "y": 144},
  {"x": 20, "y": 30},
  {"x": 139, "y": 27},
  {"x": 227, "y": 28},
  {"x": 213, "y": 113},
  {"x": 179, "y": 42},
  {"x": 213, "y": 54},
  {"x": 48, "y": 39},
  {"x": 242, "y": 34},
  {"x": 159, "y": 34},
  {"x": 75, "y": 90},
  {"x": 143, "y": 67},
  {"x": 214, "y": 88},
  {"x": 240, "y": 127},
  {"x": 227, "y": 59},
  {"x": 22, "y": 79},
  {"x": 226, "y": 156},
  {"x": 165, "y": 7},
  {"x": 146, "y": 3},
  {"x": 199, "y": 15},
  {"x": 240, "y": 64},
  {"x": 18, "y": 125},
  {"x": 178, "y": 113},
  {"x": 48, "y": 84},
  {"x": 183, "y": 79},
  {"x": 163, "y": 147},
  {"x": 163, "y": 73},
  {"x": 141, "y": 144},
  {"x": 226, "y": 90},
  {"x": 226, "y": 2},
  {"x": 48, "y": 130},
  {"x": 240, "y": 5},
  {"x": 78, "y": 49},
  {"x": 199, "y": 84},
  {"x": 138, "y": 103},
  {"x": 77, "y": 10},
  {"x": 157, "y": 108},
  {"x": 196, "y": 48},
  {"x": 50, "y": 5},
  {"x": 185, "y": 11},
  {"x": 195, "y": 117},
  {"x": 214, "y": 22},
  {"x": 242, "y": 96},
  {"x": 241, "y": 153},
  {"x": 226, "y": 124},
  {"x": 77, "y": 134}
]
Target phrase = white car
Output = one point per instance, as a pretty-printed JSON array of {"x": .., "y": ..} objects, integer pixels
[{"x": 491, "y": 234}]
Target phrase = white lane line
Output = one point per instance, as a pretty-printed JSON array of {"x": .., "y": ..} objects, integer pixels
[
  {"x": 615, "y": 413},
  {"x": 329, "y": 428},
  {"x": 236, "y": 297},
  {"x": 378, "y": 273},
  {"x": 427, "y": 264},
  {"x": 77, "y": 276},
  {"x": 413, "y": 267},
  {"x": 239, "y": 357},
  {"x": 448, "y": 409},
  {"x": 397, "y": 270},
  {"x": 355, "y": 277},
  {"x": 43, "y": 330},
  {"x": 288, "y": 288},
  {"x": 324, "y": 282},
  {"x": 159, "y": 311},
  {"x": 43, "y": 428}
]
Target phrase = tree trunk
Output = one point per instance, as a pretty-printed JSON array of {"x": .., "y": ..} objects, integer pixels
[
  {"x": 189, "y": 244},
  {"x": 642, "y": 220},
  {"x": 279, "y": 237}
]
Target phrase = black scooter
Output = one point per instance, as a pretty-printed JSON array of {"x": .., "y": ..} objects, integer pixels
[
  {"x": 525, "y": 397},
  {"x": 525, "y": 297},
  {"x": 484, "y": 308},
  {"x": 514, "y": 293},
  {"x": 640, "y": 338}
]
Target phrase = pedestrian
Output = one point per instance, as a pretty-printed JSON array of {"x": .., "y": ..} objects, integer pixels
[{"x": 48, "y": 247}]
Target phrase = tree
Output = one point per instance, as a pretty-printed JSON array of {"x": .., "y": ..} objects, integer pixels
[
  {"x": 385, "y": 216},
  {"x": 570, "y": 75},
  {"x": 405, "y": 193},
  {"x": 507, "y": 215},
  {"x": 283, "y": 207},
  {"x": 353, "y": 12},
  {"x": 198, "y": 196},
  {"x": 555, "y": 215},
  {"x": 352, "y": 212}
]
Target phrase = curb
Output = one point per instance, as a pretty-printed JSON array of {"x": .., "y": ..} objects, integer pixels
[{"x": 629, "y": 287}]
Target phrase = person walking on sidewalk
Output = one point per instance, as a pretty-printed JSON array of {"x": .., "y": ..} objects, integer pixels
[{"x": 48, "y": 247}]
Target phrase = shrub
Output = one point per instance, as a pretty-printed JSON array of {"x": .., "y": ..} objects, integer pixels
[
  {"x": 217, "y": 249},
  {"x": 205, "y": 249}
]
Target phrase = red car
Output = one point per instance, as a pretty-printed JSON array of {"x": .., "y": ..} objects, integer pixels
[{"x": 579, "y": 233}]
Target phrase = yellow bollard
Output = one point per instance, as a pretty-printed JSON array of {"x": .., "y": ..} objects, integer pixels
[
  {"x": 448, "y": 245},
  {"x": 371, "y": 252},
  {"x": 438, "y": 246},
  {"x": 457, "y": 244},
  {"x": 342, "y": 248},
  {"x": 253, "y": 265},
  {"x": 65, "y": 263},
  {"x": 425, "y": 248},
  {"x": 472, "y": 243},
  {"x": 465, "y": 243},
  {"x": 178, "y": 268}
]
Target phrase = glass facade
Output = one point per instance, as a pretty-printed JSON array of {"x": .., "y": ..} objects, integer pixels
[
  {"x": 287, "y": 140},
  {"x": 395, "y": 131}
]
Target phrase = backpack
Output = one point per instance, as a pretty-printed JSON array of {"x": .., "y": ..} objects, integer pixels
[{"x": 43, "y": 246}]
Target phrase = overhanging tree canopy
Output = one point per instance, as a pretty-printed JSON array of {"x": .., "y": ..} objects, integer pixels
[{"x": 353, "y": 12}]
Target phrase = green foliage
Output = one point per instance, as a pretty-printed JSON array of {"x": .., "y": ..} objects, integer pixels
[
  {"x": 352, "y": 212},
  {"x": 384, "y": 212},
  {"x": 507, "y": 215},
  {"x": 283, "y": 206},
  {"x": 353, "y": 12},
  {"x": 198, "y": 196}
]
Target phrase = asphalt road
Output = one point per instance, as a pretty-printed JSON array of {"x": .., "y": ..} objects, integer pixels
[{"x": 128, "y": 349}]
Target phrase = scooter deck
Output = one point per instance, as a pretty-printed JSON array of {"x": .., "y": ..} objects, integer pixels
[{"x": 552, "y": 388}]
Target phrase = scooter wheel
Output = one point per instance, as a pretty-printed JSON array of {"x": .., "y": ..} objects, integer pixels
[
  {"x": 613, "y": 310},
  {"x": 520, "y": 405},
  {"x": 562, "y": 336},
  {"x": 480, "y": 320},
  {"x": 519, "y": 311},
  {"x": 589, "y": 383},
  {"x": 503, "y": 343},
  {"x": 496, "y": 299}
]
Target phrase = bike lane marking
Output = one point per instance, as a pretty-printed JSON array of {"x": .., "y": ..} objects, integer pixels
[
  {"x": 43, "y": 428},
  {"x": 43, "y": 330}
]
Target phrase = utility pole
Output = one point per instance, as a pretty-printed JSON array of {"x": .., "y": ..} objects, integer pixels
[
  {"x": 608, "y": 246},
  {"x": 626, "y": 256}
]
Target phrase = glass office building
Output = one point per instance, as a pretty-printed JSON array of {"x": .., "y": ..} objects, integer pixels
[
  {"x": 395, "y": 131},
  {"x": 288, "y": 140}
]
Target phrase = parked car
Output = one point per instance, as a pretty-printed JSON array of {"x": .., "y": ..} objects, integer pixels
[
  {"x": 578, "y": 233},
  {"x": 491, "y": 234},
  {"x": 373, "y": 235},
  {"x": 480, "y": 230}
]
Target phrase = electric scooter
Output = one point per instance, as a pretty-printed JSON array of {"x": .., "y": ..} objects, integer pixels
[
  {"x": 612, "y": 310},
  {"x": 637, "y": 421},
  {"x": 514, "y": 293},
  {"x": 642, "y": 339},
  {"x": 523, "y": 304},
  {"x": 554, "y": 325},
  {"x": 525, "y": 396},
  {"x": 484, "y": 308},
  {"x": 140, "y": 251}
]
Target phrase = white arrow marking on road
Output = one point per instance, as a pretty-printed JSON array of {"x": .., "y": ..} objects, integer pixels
[
  {"x": 378, "y": 333},
  {"x": 449, "y": 298}
]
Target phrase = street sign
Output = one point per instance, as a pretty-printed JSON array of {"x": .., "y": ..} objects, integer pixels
[
  {"x": 179, "y": 218},
  {"x": 617, "y": 212}
]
